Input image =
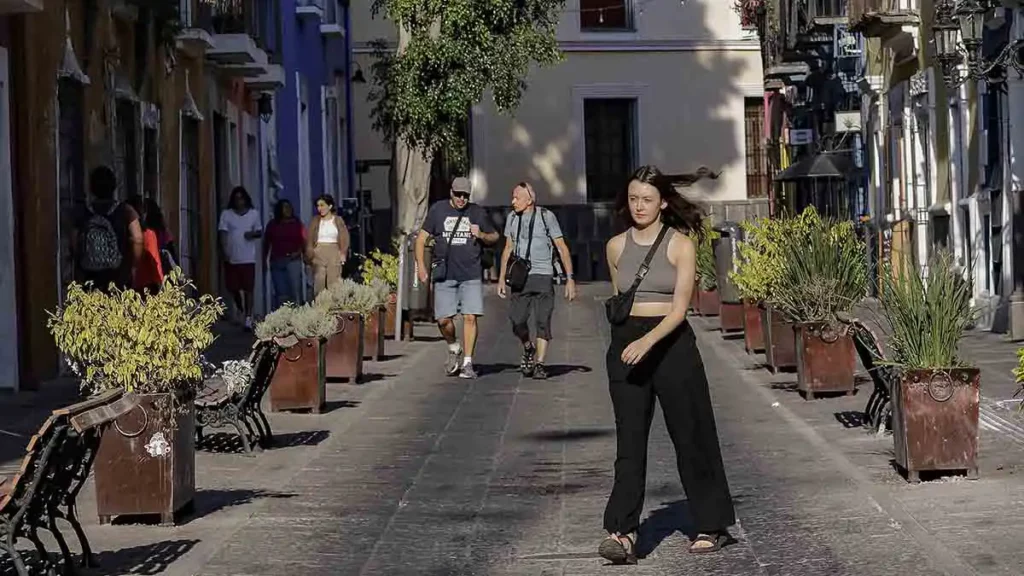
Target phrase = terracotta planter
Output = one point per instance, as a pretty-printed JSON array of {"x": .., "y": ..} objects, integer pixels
[
  {"x": 373, "y": 335},
  {"x": 825, "y": 359},
  {"x": 731, "y": 317},
  {"x": 344, "y": 350},
  {"x": 390, "y": 315},
  {"x": 709, "y": 304},
  {"x": 753, "y": 332},
  {"x": 146, "y": 462},
  {"x": 935, "y": 421},
  {"x": 300, "y": 378},
  {"x": 779, "y": 340}
]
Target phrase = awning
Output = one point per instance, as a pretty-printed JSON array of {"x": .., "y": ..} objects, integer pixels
[{"x": 826, "y": 165}]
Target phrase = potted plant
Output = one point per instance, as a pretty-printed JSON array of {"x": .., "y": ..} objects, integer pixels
[
  {"x": 758, "y": 262},
  {"x": 373, "y": 307},
  {"x": 347, "y": 302},
  {"x": 153, "y": 346},
  {"x": 383, "y": 267},
  {"x": 707, "y": 281},
  {"x": 300, "y": 380},
  {"x": 779, "y": 331},
  {"x": 824, "y": 275},
  {"x": 936, "y": 398}
]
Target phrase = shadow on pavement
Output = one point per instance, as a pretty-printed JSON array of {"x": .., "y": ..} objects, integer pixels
[
  {"x": 207, "y": 502},
  {"x": 554, "y": 370},
  {"x": 333, "y": 405},
  {"x": 570, "y": 435},
  {"x": 143, "y": 560},
  {"x": 850, "y": 419},
  {"x": 672, "y": 517}
]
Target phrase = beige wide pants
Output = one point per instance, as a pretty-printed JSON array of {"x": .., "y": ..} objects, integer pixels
[{"x": 326, "y": 267}]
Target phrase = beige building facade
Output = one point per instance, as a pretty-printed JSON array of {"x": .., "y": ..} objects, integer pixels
[{"x": 669, "y": 83}]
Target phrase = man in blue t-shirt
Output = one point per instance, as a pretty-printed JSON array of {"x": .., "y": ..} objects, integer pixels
[
  {"x": 533, "y": 234},
  {"x": 458, "y": 227}
]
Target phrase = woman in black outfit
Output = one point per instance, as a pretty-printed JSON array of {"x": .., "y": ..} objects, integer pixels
[{"x": 654, "y": 354}]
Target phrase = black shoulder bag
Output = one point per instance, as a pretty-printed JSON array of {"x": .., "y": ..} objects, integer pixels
[
  {"x": 557, "y": 265},
  {"x": 518, "y": 269},
  {"x": 439, "y": 268},
  {"x": 618, "y": 307}
]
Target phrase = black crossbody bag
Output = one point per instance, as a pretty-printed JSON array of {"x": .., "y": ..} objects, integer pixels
[
  {"x": 618, "y": 307},
  {"x": 439, "y": 268},
  {"x": 518, "y": 269}
]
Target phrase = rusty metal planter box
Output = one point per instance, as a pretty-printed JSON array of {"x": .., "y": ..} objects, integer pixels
[
  {"x": 344, "y": 350},
  {"x": 826, "y": 359},
  {"x": 779, "y": 340},
  {"x": 709, "y": 304},
  {"x": 753, "y": 332},
  {"x": 300, "y": 378},
  {"x": 373, "y": 335},
  {"x": 935, "y": 421},
  {"x": 146, "y": 463},
  {"x": 390, "y": 315},
  {"x": 731, "y": 317}
]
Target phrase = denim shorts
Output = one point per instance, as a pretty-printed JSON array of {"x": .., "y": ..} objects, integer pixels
[{"x": 453, "y": 297}]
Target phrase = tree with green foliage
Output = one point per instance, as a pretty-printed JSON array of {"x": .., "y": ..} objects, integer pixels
[{"x": 450, "y": 53}]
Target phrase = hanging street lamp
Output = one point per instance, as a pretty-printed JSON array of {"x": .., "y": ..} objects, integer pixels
[{"x": 958, "y": 32}]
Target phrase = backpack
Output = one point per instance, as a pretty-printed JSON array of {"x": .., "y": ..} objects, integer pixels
[
  {"x": 556, "y": 257},
  {"x": 101, "y": 250}
]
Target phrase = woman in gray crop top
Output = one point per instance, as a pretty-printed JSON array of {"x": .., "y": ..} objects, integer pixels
[{"x": 654, "y": 355}]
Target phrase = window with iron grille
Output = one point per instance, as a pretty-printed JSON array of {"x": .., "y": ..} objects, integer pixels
[
  {"x": 71, "y": 187},
  {"x": 606, "y": 15},
  {"x": 756, "y": 149},
  {"x": 190, "y": 224},
  {"x": 609, "y": 128}
]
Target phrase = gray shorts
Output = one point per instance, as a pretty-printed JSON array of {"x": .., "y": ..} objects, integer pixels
[{"x": 453, "y": 297}]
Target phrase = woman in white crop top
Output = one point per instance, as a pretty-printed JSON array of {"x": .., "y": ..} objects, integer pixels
[{"x": 327, "y": 243}]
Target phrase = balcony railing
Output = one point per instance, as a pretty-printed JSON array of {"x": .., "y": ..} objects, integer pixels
[
  {"x": 826, "y": 10},
  {"x": 895, "y": 11},
  {"x": 229, "y": 17}
]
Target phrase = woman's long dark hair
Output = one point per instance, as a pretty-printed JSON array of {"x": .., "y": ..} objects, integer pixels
[
  {"x": 240, "y": 191},
  {"x": 279, "y": 210},
  {"x": 155, "y": 217},
  {"x": 138, "y": 203},
  {"x": 679, "y": 213}
]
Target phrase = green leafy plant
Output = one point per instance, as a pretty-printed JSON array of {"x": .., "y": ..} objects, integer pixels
[
  {"x": 313, "y": 322},
  {"x": 926, "y": 317},
  {"x": 760, "y": 255},
  {"x": 349, "y": 296},
  {"x": 706, "y": 271},
  {"x": 824, "y": 273},
  {"x": 383, "y": 267},
  {"x": 147, "y": 345}
]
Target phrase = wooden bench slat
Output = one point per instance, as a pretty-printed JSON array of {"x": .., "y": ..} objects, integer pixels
[
  {"x": 85, "y": 405},
  {"x": 105, "y": 413}
]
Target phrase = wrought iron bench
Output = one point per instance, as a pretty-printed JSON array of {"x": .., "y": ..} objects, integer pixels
[
  {"x": 57, "y": 463},
  {"x": 878, "y": 412},
  {"x": 218, "y": 407}
]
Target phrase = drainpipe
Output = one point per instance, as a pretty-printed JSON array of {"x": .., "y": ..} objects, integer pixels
[{"x": 349, "y": 156}]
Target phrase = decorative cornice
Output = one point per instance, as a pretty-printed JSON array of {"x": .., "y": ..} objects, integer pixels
[{"x": 612, "y": 45}]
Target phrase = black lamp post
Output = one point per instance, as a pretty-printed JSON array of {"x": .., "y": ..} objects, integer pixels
[{"x": 968, "y": 19}]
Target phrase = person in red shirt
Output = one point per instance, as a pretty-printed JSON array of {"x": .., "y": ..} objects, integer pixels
[
  {"x": 283, "y": 243},
  {"x": 148, "y": 275}
]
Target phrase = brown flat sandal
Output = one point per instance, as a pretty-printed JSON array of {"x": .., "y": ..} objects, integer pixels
[
  {"x": 618, "y": 550},
  {"x": 716, "y": 541}
]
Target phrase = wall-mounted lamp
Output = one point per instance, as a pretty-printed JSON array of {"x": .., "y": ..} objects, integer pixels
[
  {"x": 265, "y": 106},
  {"x": 358, "y": 77}
]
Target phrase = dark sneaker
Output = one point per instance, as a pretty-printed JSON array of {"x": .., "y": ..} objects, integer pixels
[
  {"x": 540, "y": 372},
  {"x": 467, "y": 372},
  {"x": 454, "y": 361},
  {"x": 527, "y": 364}
]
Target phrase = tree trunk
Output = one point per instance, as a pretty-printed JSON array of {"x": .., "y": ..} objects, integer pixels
[
  {"x": 412, "y": 186},
  {"x": 410, "y": 170}
]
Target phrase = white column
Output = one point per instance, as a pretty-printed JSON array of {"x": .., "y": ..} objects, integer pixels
[{"x": 1015, "y": 173}]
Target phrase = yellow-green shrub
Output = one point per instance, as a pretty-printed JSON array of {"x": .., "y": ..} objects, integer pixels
[
  {"x": 382, "y": 266},
  {"x": 149, "y": 344}
]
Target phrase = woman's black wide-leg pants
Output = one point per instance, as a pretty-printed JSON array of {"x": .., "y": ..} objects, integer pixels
[{"x": 674, "y": 373}]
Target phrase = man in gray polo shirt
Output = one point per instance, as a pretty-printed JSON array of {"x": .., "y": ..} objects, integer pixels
[{"x": 532, "y": 233}]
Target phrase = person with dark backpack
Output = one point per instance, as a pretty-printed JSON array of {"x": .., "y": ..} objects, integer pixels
[
  {"x": 108, "y": 240},
  {"x": 534, "y": 248}
]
